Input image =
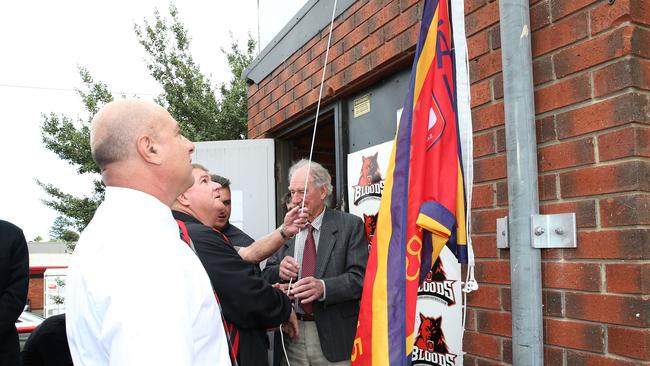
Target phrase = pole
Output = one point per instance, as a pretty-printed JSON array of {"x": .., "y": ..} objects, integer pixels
[{"x": 521, "y": 149}]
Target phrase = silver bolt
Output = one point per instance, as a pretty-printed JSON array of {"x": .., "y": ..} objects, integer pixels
[
  {"x": 539, "y": 231},
  {"x": 559, "y": 231}
]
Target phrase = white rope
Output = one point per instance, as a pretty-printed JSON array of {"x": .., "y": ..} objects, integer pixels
[
  {"x": 320, "y": 95},
  {"x": 311, "y": 149}
]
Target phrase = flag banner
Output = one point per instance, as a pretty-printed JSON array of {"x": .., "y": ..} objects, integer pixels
[
  {"x": 423, "y": 206},
  {"x": 366, "y": 177},
  {"x": 439, "y": 315}
]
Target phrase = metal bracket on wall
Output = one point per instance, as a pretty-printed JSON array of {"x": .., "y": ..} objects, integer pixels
[
  {"x": 553, "y": 231},
  {"x": 502, "y": 233},
  {"x": 547, "y": 231}
]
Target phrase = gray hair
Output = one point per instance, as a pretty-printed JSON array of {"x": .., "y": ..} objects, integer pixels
[
  {"x": 199, "y": 166},
  {"x": 222, "y": 181},
  {"x": 317, "y": 172}
]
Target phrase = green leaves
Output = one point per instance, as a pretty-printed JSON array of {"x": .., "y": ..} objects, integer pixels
[{"x": 187, "y": 94}]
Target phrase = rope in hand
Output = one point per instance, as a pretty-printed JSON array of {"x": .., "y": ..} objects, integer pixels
[{"x": 311, "y": 149}]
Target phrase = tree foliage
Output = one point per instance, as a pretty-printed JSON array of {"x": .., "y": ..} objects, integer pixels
[
  {"x": 60, "y": 230},
  {"x": 187, "y": 94}
]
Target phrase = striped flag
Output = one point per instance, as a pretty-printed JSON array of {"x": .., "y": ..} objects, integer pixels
[{"x": 423, "y": 205}]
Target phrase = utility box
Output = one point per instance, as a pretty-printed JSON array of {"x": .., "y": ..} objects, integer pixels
[{"x": 54, "y": 281}]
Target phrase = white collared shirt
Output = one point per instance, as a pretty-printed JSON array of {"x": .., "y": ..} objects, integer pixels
[{"x": 136, "y": 294}]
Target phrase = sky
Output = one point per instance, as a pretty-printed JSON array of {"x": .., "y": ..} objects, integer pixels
[{"x": 43, "y": 42}]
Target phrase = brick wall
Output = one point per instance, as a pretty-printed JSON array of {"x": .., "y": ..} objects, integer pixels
[
  {"x": 35, "y": 293},
  {"x": 592, "y": 75},
  {"x": 370, "y": 39}
]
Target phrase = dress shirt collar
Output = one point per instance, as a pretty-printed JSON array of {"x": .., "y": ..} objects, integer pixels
[{"x": 318, "y": 221}]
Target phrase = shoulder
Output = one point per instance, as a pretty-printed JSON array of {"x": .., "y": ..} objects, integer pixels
[
  {"x": 342, "y": 217},
  {"x": 9, "y": 229}
]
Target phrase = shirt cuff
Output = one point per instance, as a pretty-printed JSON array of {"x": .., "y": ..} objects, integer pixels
[{"x": 324, "y": 291}]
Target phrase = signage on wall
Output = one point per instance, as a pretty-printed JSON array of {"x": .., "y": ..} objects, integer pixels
[{"x": 361, "y": 106}]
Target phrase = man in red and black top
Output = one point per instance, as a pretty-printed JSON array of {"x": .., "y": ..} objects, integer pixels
[{"x": 249, "y": 303}]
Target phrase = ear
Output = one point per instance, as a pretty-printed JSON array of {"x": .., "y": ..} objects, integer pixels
[
  {"x": 323, "y": 192},
  {"x": 148, "y": 149},
  {"x": 422, "y": 317},
  {"x": 183, "y": 200},
  {"x": 376, "y": 154}
]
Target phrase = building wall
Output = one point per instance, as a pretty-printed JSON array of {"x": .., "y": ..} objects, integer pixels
[
  {"x": 35, "y": 293},
  {"x": 592, "y": 76}
]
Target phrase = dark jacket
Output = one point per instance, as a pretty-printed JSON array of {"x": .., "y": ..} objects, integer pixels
[
  {"x": 14, "y": 279},
  {"x": 236, "y": 236},
  {"x": 247, "y": 300},
  {"x": 341, "y": 263},
  {"x": 48, "y": 344}
]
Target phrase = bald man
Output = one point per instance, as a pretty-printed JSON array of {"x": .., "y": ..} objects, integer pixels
[{"x": 136, "y": 293}]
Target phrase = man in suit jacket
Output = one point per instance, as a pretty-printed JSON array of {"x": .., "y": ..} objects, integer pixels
[
  {"x": 327, "y": 296},
  {"x": 14, "y": 279}
]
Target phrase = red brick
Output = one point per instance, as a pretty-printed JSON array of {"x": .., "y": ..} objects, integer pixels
[
  {"x": 606, "y": 16},
  {"x": 489, "y": 168},
  {"x": 561, "y": 8},
  {"x": 484, "y": 221},
  {"x": 473, "y": 5},
  {"x": 485, "y": 66},
  {"x": 624, "y": 143},
  {"x": 626, "y": 73},
  {"x": 342, "y": 62},
  {"x": 547, "y": 187},
  {"x": 487, "y": 116},
  {"x": 634, "y": 343},
  {"x": 470, "y": 321},
  {"x": 559, "y": 34},
  {"x": 628, "y": 278},
  {"x": 497, "y": 272},
  {"x": 553, "y": 303},
  {"x": 572, "y": 334},
  {"x": 542, "y": 70},
  {"x": 627, "y": 40},
  {"x": 484, "y": 246},
  {"x": 612, "y": 244},
  {"x": 625, "y": 210},
  {"x": 495, "y": 37},
  {"x": 478, "y": 44},
  {"x": 387, "y": 13},
  {"x": 502, "y": 193},
  {"x": 483, "y": 196},
  {"x": 575, "y": 276},
  {"x": 540, "y": 15},
  {"x": 484, "y": 144},
  {"x": 480, "y": 93},
  {"x": 488, "y": 297},
  {"x": 619, "y": 177},
  {"x": 553, "y": 356},
  {"x": 401, "y": 23},
  {"x": 482, "y": 18},
  {"x": 497, "y": 86},
  {"x": 545, "y": 129},
  {"x": 506, "y": 299},
  {"x": 611, "y": 309},
  {"x": 566, "y": 154},
  {"x": 590, "y": 359},
  {"x": 626, "y": 108},
  {"x": 562, "y": 93},
  {"x": 480, "y": 344},
  {"x": 492, "y": 322},
  {"x": 585, "y": 211}
]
